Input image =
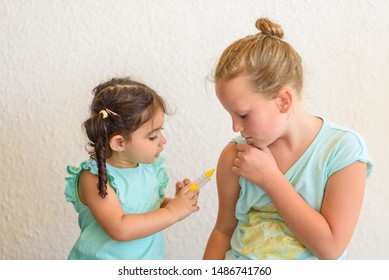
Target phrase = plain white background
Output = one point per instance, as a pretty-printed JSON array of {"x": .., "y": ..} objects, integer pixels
[{"x": 52, "y": 54}]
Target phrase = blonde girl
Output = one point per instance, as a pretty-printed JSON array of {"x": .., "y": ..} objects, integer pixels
[{"x": 291, "y": 185}]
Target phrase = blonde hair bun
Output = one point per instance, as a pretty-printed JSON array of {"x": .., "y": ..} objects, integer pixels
[{"x": 269, "y": 28}]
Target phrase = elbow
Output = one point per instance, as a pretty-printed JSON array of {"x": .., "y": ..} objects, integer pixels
[
  {"x": 120, "y": 235},
  {"x": 330, "y": 256},
  {"x": 119, "y": 238},
  {"x": 331, "y": 253}
]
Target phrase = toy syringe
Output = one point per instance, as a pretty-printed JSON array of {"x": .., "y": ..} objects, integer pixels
[{"x": 201, "y": 181}]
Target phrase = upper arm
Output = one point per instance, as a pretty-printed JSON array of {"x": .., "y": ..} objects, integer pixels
[
  {"x": 228, "y": 190},
  {"x": 343, "y": 201},
  {"x": 107, "y": 211}
]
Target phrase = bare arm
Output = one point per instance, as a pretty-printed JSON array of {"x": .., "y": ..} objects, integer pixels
[
  {"x": 326, "y": 233},
  {"x": 228, "y": 193},
  {"x": 119, "y": 226}
]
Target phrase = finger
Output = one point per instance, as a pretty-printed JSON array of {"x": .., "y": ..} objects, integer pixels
[
  {"x": 179, "y": 185},
  {"x": 236, "y": 162},
  {"x": 235, "y": 170},
  {"x": 186, "y": 181},
  {"x": 195, "y": 201},
  {"x": 241, "y": 146},
  {"x": 185, "y": 191},
  {"x": 189, "y": 194}
]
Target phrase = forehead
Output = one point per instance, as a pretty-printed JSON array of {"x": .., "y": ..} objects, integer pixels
[
  {"x": 155, "y": 122},
  {"x": 236, "y": 92}
]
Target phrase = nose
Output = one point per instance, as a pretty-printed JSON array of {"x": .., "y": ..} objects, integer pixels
[
  {"x": 163, "y": 140},
  {"x": 237, "y": 125}
]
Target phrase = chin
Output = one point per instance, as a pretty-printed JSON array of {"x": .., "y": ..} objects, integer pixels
[
  {"x": 155, "y": 157},
  {"x": 258, "y": 145}
]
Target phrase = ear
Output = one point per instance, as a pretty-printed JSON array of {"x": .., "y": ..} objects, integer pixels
[
  {"x": 117, "y": 143},
  {"x": 284, "y": 100}
]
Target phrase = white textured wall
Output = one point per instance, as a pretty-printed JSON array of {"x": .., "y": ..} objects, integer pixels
[{"x": 52, "y": 53}]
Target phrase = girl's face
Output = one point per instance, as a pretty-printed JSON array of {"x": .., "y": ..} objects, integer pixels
[
  {"x": 145, "y": 144},
  {"x": 258, "y": 119}
]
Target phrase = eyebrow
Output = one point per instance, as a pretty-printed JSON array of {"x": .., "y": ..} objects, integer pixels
[{"x": 154, "y": 130}]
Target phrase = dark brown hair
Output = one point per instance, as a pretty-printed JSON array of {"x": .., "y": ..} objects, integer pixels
[{"x": 126, "y": 105}]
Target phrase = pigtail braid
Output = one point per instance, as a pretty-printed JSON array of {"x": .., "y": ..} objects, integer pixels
[
  {"x": 97, "y": 132},
  {"x": 100, "y": 153}
]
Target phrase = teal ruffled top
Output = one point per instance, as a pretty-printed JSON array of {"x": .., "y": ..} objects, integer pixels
[{"x": 140, "y": 190}]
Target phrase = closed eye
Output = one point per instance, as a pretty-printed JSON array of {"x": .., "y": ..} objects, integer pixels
[{"x": 155, "y": 133}]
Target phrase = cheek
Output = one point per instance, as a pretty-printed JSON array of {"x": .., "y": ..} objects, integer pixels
[
  {"x": 264, "y": 126},
  {"x": 151, "y": 147}
]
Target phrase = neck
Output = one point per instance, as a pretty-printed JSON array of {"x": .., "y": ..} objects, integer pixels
[
  {"x": 116, "y": 161},
  {"x": 301, "y": 131}
]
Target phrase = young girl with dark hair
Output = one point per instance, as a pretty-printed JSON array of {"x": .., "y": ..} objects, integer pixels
[{"x": 119, "y": 192}]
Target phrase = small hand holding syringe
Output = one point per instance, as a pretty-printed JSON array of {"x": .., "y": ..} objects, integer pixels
[{"x": 201, "y": 181}]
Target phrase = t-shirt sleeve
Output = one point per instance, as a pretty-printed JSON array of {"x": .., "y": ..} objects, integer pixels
[
  {"x": 350, "y": 148},
  {"x": 238, "y": 139}
]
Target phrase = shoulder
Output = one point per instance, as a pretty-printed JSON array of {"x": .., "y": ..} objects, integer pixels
[
  {"x": 345, "y": 146},
  {"x": 85, "y": 172},
  {"x": 90, "y": 165},
  {"x": 87, "y": 177},
  {"x": 225, "y": 163},
  {"x": 87, "y": 185},
  {"x": 228, "y": 154},
  {"x": 338, "y": 132}
]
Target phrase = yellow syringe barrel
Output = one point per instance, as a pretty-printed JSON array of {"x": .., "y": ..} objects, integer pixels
[{"x": 202, "y": 180}]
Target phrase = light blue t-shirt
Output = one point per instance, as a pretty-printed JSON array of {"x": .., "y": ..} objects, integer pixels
[
  {"x": 261, "y": 232},
  {"x": 140, "y": 190}
]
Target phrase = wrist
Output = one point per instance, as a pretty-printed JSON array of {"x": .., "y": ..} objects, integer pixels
[
  {"x": 169, "y": 215},
  {"x": 165, "y": 201},
  {"x": 276, "y": 183}
]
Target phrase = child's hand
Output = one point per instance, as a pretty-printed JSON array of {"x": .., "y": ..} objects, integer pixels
[
  {"x": 184, "y": 204},
  {"x": 181, "y": 185},
  {"x": 255, "y": 164}
]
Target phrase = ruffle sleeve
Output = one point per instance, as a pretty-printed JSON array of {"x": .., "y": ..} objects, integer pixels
[
  {"x": 162, "y": 175},
  {"x": 71, "y": 189}
]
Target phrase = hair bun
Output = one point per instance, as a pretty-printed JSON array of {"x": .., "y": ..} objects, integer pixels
[{"x": 267, "y": 27}]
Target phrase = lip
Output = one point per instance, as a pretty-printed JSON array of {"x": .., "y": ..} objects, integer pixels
[
  {"x": 158, "y": 154},
  {"x": 247, "y": 138}
]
